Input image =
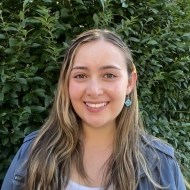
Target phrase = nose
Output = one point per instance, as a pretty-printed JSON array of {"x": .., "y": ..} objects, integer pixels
[{"x": 94, "y": 88}]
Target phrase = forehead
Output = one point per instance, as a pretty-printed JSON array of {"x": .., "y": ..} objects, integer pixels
[{"x": 99, "y": 51}]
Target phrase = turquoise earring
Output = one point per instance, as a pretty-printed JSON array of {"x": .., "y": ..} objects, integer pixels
[{"x": 128, "y": 102}]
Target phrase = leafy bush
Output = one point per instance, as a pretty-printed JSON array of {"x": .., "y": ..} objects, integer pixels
[{"x": 33, "y": 39}]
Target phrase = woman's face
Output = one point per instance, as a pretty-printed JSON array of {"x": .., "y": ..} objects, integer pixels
[{"x": 99, "y": 83}]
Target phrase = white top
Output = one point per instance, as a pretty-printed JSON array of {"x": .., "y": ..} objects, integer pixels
[{"x": 74, "y": 186}]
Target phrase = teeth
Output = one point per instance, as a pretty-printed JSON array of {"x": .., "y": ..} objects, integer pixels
[{"x": 99, "y": 105}]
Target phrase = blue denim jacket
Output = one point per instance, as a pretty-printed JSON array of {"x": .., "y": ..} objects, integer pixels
[{"x": 160, "y": 159}]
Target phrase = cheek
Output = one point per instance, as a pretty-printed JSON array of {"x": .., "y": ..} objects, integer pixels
[
  {"x": 119, "y": 90},
  {"x": 74, "y": 91}
]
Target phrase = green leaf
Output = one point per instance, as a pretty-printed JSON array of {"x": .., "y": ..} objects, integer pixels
[
  {"x": 17, "y": 87},
  {"x": 48, "y": 100},
  {"x": 186, "y": 35},
  {"x": 152, "y": 42},
  {"x": 38, "y": 79},
  {"x": 32, "y": 20},
  {"x": 21, "y": 15},
  {"x": 34, "y": 45},
  {"x": 27, "y": 110},
  {"x": 2, "y": 114},
  {"x": 50, "y": 68},
  {"x": 11, "y": 28},
  {"x": 27, "y": 98},
  {"x": 4, "y": 141},
  {"x": 25, "y": 3},
  {"x": 37, "y": 109},
  {"x": 47, "y": 1},
  {"x": 22, "y": 81},
  {"x": 102, "y": 3},
  {"x": 80, "y": 2},
  {"x": 9, "y": 51},
  {"x": 96, "y": 19},
  {"x": 6, "y": 88},
  {"x": 14, "y": 95},
  {"x": 134, "y": 39},
  {"x": 2, "y": 36},
  {"x": 40, "y": 92},
  {"x": 124, "y": 5},
  {"x": 14, "y": 102},
  {"x": 1, "y": 96},
  {"x": 3, "y": 76}
]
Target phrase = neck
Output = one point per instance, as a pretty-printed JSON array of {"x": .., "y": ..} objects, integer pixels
[{"x": 99, "y": 137}]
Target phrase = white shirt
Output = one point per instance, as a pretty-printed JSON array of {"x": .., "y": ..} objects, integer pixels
[{"x": 74, "y": 186}]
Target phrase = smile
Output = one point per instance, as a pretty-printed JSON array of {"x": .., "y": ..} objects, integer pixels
[{"x": 96, "y": 105}]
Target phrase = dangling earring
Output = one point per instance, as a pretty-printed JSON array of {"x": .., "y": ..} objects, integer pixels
[{"x": 128, "y": 102}]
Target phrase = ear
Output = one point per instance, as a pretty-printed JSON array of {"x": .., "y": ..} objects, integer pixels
[{"x": 131, "y": 82}]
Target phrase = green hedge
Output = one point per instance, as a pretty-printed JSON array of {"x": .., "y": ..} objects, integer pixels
[{"x": 35, "y": 34}]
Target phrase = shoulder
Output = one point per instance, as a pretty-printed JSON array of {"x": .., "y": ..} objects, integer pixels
[
  {"x": 30, "y": 137},
  {"x": 28, "y": 140},
  {"x": 17, "y": 170},
  {"x": 157, "y": 152},
  {"x": 23, "y": 152},
  {"x": 161, "y": 161},
  {"x": 160, "y": 146}
]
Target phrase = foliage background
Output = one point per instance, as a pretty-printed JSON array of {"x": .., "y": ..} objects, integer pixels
[{"x": 35, "y": 34}]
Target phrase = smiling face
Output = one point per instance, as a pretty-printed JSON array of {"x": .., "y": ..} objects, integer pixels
[{"x": 99, "y": 83}]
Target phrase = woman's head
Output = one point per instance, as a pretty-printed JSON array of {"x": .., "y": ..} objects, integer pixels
[{"x": 88, "y": 39}]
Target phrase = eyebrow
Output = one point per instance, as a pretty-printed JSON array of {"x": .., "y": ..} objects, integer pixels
[
  {"x": 101, "y": 68},
  {"x": 110, "y": 67},
  {"x": 79, "y": 67}
]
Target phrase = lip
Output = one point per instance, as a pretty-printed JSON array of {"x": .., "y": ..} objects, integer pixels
[{"x": 96, "y": 106}]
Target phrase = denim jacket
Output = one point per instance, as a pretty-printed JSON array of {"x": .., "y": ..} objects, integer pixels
[{"x": 160, "y": 159}]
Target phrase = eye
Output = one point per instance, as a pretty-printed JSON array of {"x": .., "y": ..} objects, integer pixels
[
  {"x": 109, "y": 75},
  {"x": 80, "y": 76}
]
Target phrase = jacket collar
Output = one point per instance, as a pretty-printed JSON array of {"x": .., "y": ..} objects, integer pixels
[{"x": 152, "y": 148}]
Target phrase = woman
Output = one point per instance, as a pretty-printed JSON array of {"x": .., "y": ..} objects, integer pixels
[{"x": 94, "y": 138}]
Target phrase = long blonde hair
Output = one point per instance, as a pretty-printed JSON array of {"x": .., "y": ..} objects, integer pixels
[{"x": 57, "y": 144}]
